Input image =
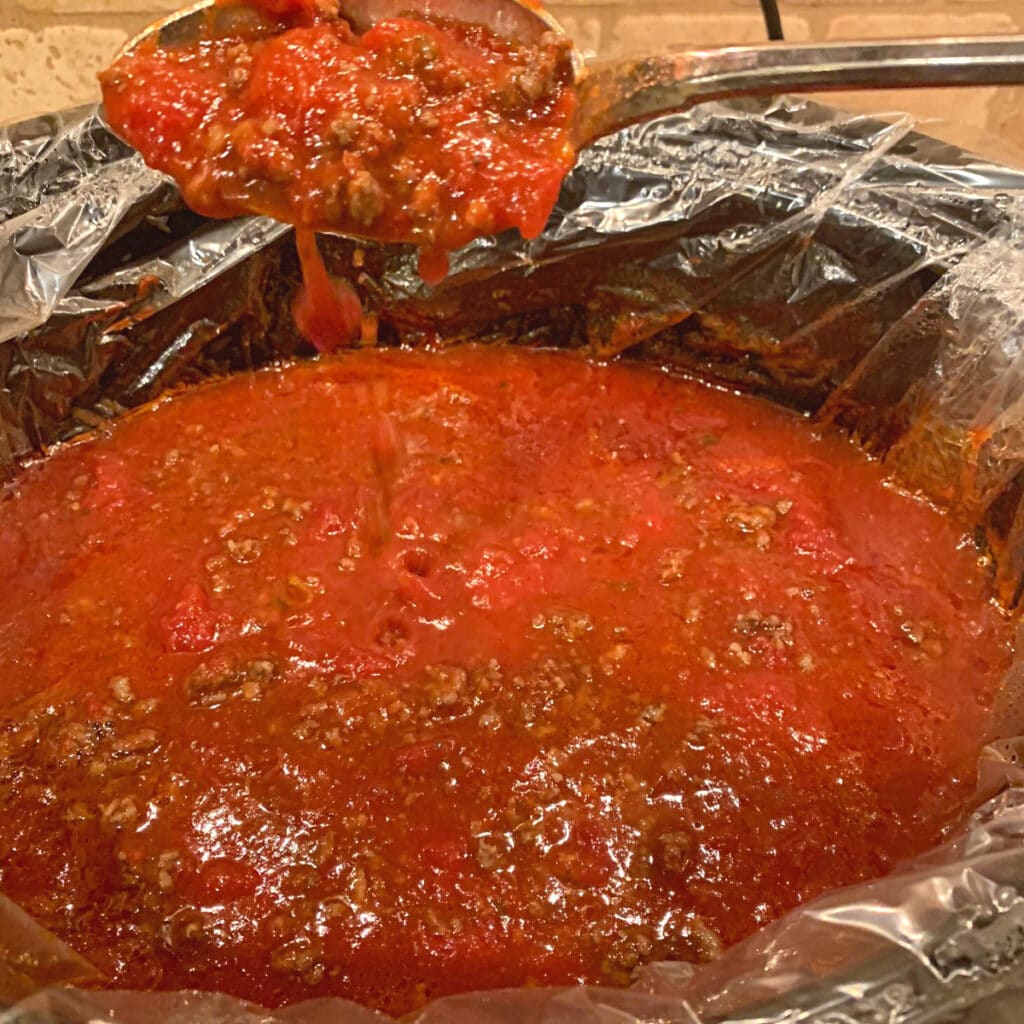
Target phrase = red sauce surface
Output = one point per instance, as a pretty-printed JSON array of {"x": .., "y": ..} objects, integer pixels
[
  {"x": 404, "y": 674},
  {"x": 430, "y": 132}
]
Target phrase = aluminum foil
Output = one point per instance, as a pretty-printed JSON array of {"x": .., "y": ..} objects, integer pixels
[{"x": 847, "y": 266}]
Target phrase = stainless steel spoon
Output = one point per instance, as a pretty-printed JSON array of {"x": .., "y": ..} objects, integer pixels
[{"x": 616, "y": 93}]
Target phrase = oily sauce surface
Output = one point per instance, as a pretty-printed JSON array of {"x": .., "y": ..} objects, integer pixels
[
  {"x": 432, "y": 132},
  {"x": 405, "y": 674}
]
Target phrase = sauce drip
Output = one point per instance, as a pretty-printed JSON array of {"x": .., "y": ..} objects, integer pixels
[
  {"x": 327, "y": 310},
  {"x": 631, "y": 668}
]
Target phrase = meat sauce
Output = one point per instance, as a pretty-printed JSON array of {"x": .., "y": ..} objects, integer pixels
[
  {"x": 432, "y": 132},
  {"x": 403, "y": 674}
]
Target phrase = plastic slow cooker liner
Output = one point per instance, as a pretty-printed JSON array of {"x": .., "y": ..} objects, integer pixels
[{"x": 854, "y": 269}]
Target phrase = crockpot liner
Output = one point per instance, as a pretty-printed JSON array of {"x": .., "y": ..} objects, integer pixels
[{"x": 846, "y": 266}]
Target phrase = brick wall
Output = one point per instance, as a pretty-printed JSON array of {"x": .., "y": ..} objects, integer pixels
[{"x": 51, "y": 49}]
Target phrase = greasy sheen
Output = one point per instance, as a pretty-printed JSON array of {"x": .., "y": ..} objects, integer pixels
[{"x": 403, "y": 674}]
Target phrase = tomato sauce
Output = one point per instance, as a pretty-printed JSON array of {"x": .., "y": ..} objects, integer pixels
[
  {"x": 432, "y": 132},
  {"x": 402, "y": 674}
]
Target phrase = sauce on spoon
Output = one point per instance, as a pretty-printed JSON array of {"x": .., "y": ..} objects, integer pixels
[{"x": 420, "y": 130}]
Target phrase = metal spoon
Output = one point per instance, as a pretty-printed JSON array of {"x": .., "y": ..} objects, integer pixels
[{"x": 613, "y": 94}]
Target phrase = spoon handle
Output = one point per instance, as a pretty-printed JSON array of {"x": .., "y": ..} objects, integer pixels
[{"x": 618, "y": 93}]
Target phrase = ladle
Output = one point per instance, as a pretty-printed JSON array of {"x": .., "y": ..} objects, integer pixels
[{"x": 617, "y": 93}]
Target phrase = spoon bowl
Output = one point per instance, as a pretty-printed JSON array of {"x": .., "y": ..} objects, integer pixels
[
  {"x": 613, "y": 94},
  {"x": 208, "y": 18}
]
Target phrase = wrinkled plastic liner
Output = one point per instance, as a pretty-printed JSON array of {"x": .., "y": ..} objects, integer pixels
[{"x": 854, "y": 269}]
